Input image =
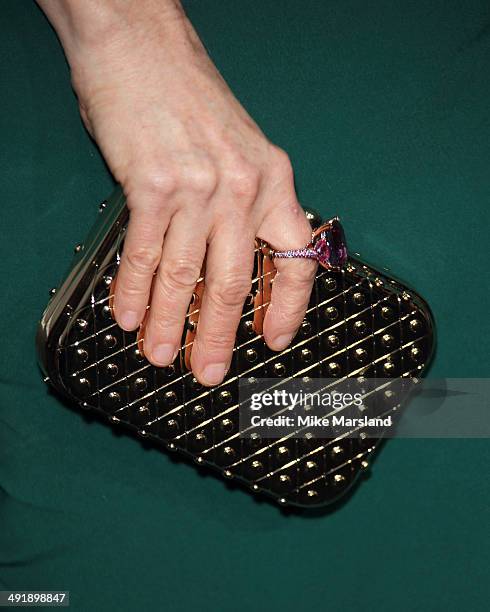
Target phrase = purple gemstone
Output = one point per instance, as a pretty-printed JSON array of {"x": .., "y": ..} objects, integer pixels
[
  {"x": 331, "y": 246},
  {"x": 322, "y": 249}
]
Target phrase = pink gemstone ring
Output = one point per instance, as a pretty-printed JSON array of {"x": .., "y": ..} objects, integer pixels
[{"x": 327, "y": 246}]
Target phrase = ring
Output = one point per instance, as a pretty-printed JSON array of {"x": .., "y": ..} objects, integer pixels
[{"x": 328, "y": 247}]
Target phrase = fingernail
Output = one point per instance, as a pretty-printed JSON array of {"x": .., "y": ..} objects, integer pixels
[
  {"x": 129, "y": 320},
  {"x": 214, "y": 373},
  {"x": 281, "y": 342},
  {"x": 164, "y": 353}
]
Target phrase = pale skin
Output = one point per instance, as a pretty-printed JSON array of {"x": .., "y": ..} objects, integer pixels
[{"x": 201, "y": 179}]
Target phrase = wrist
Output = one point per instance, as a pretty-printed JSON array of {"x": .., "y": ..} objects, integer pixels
[{"x": 91, "y": 25}]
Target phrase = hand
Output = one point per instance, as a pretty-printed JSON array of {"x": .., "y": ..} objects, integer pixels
[{"x": 200, "y": 178}]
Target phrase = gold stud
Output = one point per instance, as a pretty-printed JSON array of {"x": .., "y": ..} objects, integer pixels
[
  {"x": 306, "y": 355},
  {"x": 225, "y": 397},
  {"x": 415, "y": 353},
  {"x": 361, "y": 354},
  {"x": 279, "y": 369},
  {"x": 195, "y": 384},
  {"x": 358, "y": 298},
  {"x": 334, "y": 368},
  {"x": 226, "y": 425},
  {"x": 306, "y": 328},
  {"x": 172, "y": 425},
  {"x": 140, "y": 384},
  {"x": 251, "y": 355},
  {"x": 386, "y": 312},
  {"x": 82, "y": 324},
  {"x": 138, "y": 355},
  {"x": 330, "y": 284},
  {"x": 414, "y": 325},
  {"x": 248, "y": 327},
  {"x": 255, "y": 439},
  {"x": 84, "y": 384},
  {"x": 170, "y": 397},
  {"x": 339, "y": 479},
  {"x": 333, "y": 340},
  {"x": 360, "y": 327},
  {"x": 82, "y": 354},
  {"x": 257, "y": 466},
  {"x": 389, "y": 367},
  {"x": 387, "y": 340},
  {"x": 336, "y": 451},
  {"x": 199, "y": 411},
  {"x": 110, "y": 341},
  {"x": 331, "y": 313}
]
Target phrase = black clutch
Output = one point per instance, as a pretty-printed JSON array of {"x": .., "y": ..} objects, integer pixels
[{"x": 360, "y": 323}]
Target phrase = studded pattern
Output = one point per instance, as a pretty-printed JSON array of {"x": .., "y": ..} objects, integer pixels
[{"x": 359, "y": 323}]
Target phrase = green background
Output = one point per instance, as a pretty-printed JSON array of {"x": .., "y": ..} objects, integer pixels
[{"x": 384, "y": 109}]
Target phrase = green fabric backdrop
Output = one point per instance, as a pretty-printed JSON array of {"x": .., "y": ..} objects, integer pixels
[{"x": 384, "y": 109}]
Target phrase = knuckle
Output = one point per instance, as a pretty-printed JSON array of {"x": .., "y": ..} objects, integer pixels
[
  {"x": 244, "y": 182},
  {"x": 203, "y": 180},
  {"x": 230, "y": 292},
  {"x": 181, "y": 274},
  {"x": 155, "y": 183},
  {"x": 217, "y": 341},
  {"x": 144, "y": 259},
  {"x": 281, "y": 164}
]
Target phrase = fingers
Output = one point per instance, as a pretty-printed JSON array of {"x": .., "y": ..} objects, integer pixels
[
  {"x": 293, "y": 282},
  {"x": 229, "y": 267},
  {"x": 184, "y": 249},
  {"x": 140, "y": 258}
]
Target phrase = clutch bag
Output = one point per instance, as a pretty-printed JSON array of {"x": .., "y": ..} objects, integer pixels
[{"x": 360, "y": 323}]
